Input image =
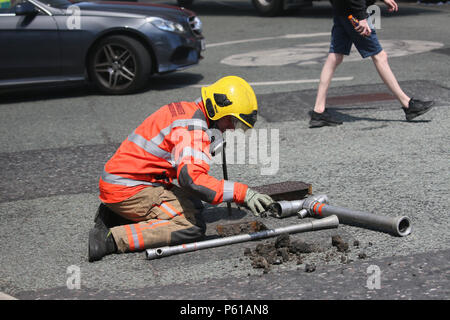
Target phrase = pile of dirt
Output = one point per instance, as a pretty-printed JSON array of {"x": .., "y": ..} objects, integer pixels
[
  {"x": 280, "y": 251},
  {"x": 284, "y": 249}
]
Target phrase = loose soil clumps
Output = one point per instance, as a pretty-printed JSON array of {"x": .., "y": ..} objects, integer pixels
[
  {"x": 232, "y": 229},
  {"x": 280, "y": 251},
  {"x": 285, "y": 249}
]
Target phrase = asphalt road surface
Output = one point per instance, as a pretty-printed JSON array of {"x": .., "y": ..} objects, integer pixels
[{"x": 55, "y": 141}]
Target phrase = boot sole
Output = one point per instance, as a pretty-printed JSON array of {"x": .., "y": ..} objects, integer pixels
[{"x": 93, "y": 246}]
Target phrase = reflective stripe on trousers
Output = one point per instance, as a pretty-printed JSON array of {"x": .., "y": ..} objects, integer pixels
[{"x": 164, "y": 217}]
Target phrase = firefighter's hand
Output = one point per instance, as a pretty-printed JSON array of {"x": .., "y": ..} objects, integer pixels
[{"x": 257, "y": 202}]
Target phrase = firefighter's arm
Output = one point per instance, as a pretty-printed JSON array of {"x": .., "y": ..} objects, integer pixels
[{"x": 192, "y": 158}]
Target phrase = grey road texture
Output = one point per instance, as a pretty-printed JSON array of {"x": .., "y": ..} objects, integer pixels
[{"x": 54, "y": 142}]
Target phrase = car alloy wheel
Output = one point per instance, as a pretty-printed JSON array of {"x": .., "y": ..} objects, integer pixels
[
  {"x": 115, "y": 67},
  {"x": 119, "y": 64}
]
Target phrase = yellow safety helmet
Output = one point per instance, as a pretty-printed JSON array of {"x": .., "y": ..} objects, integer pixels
[{"x": 232, "y": 96}]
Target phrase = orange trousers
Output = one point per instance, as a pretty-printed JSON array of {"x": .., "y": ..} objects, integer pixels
[{"x": 162, "y": 217}]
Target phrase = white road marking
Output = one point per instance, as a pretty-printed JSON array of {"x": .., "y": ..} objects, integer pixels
[
  {"x": 4, "y": 296},
  {"x": 311, "y": 53},
  {"x": 280, "y": 82},
  {"x": 286, "y": 36}
]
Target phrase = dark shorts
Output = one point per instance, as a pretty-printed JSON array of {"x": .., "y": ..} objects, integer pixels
[{"x": 343, "y": 35}]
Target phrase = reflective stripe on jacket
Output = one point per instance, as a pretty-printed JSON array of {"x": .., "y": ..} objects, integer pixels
[{"x": 172, "y": 143}]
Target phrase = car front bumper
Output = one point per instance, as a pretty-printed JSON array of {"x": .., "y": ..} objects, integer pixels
[{"x": 173, "y": 51}]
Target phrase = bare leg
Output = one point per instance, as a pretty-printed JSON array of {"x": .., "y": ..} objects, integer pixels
[
  {"x": 333, "y": 60},
  {"x": 382, "y": 65}
]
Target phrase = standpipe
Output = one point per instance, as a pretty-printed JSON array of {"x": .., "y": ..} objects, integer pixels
[
  {"x": 325, "y": 223},
  {"x": 318, "y": 207}
]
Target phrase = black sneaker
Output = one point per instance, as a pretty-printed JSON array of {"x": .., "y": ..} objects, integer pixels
[
  {"x": 322, "y": 119},
  {"x": 417, "y": 108},
  {"x": 101, "y": 243}
]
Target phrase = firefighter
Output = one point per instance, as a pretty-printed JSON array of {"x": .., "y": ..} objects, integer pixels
[{"x": 141, "y": 208}]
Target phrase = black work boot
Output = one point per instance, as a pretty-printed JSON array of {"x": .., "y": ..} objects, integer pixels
[
  {"x": 101, "y": 243},
  {"x": 417, "y": 108},
  {"x": 108, "y": 218},
  {"x": 322, "y": 119},
  {"x": 105, "y": 216}
]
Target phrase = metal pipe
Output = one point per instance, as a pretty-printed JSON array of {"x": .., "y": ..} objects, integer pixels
[
  {"x": 225, "y": 175},
  {"x": 283, "y": 209},
  {"x": 397, "y": 226},
  {"x": 317, "y": 207},
  {"x": 326, "y": 223}
]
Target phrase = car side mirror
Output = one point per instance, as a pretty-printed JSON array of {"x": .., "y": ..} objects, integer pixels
[{"x": 25, "y": 8}]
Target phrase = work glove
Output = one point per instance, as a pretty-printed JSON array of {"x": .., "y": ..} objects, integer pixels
[{"x": 257, "y": 202}]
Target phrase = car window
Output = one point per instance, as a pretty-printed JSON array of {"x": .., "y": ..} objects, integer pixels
[{"x": 7, "y": 6}]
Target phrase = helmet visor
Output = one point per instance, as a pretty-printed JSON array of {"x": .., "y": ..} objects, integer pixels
[
  {"x": 238, "y": 124},
  {"x": 250, "y": 118}
]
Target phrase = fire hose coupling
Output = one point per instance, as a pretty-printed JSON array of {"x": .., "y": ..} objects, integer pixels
[
  {"x": 313, "y": 203},
  {"x": 301, "y": 208},
  {"x": 318, "y": 207},
  {"x": 283, "y": 209}
]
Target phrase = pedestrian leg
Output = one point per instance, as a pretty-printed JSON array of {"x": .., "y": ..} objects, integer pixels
[
  {"x": 333, "y": 60},
  {"x": 384, "y": 70}
]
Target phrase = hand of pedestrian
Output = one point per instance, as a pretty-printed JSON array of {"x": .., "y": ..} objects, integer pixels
[
  {"x": 391, "y": 4},
  {"x": 363, "y": 28},
  {"x": 257, "y": 202}
]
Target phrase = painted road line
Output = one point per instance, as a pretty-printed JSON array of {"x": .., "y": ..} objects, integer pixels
[
  {"x": 282, "y": 82},
  {"x": 4, "y": 296},
  {"x": 317, "y": 53},
  {"x": 270, "y": 83},
  {"x": 286, "y": 36}
]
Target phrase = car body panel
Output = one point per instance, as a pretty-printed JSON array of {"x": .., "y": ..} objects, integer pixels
[
  {"x": 26, "y": 54},
  {"x": 48, "y": 46}
]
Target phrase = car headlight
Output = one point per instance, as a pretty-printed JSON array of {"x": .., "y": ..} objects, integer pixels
[
  {"x": 165, "y": 25},
  {"x": 196, "y": 24}
]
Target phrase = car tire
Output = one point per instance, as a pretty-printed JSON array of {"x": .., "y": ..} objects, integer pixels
[
  {"x": 184, "y": 3},
  {"x": 119, "y": 65},
  {"x": 268, "y": 8}
]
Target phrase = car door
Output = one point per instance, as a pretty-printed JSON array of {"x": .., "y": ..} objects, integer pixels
[{"x": 29, "y": 44}]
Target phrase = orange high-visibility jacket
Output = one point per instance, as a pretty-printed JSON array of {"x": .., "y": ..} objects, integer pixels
[{"x": 172, "y": 143}]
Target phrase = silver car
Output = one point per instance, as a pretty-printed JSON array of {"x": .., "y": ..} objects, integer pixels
[{"x": 115, "y": 45}]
